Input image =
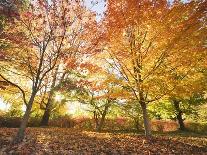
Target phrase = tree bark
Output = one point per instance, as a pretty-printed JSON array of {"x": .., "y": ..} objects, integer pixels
[
  {"x": 103, "y": 116},
  {"x": 46, "y": 115},
  {"x": 179, "y": 114},
  {"x": 95, "y": 116},
  {"x": 137, "y": 124},
  {"x": 47, "y": 112},
  {"x": 137, "y": 68},
  {"x": 146, "y": 120},
  {"x": 20, "y": 135}
]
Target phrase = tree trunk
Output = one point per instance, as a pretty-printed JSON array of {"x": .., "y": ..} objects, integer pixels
[
  {"x": 137, "y": 68},
  {"x": 95, "y": 116},
  {"x": 179, "y": 114},
  {"x": 46, "y": 115},
  {"x": 146, "y": 120},
  {"x": 20, "y": 134},
  {"x": 137, "y": 124},
  {"x": 103, "y": 116}
]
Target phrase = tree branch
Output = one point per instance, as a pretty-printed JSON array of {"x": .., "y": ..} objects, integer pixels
[{"x": 15, "y": 85}]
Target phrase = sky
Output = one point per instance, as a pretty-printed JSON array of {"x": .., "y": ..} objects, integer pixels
[
  {"x": 99, "y": 8},
  {"x": 3, "y": 106}
]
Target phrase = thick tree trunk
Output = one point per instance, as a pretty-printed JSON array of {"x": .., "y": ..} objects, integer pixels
[
  {"x": 46, "y": 116},
  {"x": 137, "y": 68},
  {"x": 20, "y": 135},
  {"x": 179, "y": 114},
  {"x": 146, "y": 120}
]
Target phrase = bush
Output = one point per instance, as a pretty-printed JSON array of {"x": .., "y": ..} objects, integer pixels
[
  {"x": 164, "y": 126},
  {"x": 63, "y": 122},
  {"x": 196, "y": 126},
  {"x": 34, "y": 122},
  {"x": 14, "y": 122},
  {"x": 119, "y": 123},
  {"x": 84, "y": 123},
  {"x": 10, "y": 122},
  {"x": 109, "y": 124}
]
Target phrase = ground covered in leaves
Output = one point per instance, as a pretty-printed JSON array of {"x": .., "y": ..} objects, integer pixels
[{"x": 70, "y": 141}]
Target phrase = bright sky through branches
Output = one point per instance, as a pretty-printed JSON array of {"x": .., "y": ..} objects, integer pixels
[{"x": 98, "y": 6}]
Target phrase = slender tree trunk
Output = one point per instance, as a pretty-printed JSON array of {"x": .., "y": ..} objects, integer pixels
[
  {"x": 179, "y": 114},
  {"x": 103, "y": 116},
  {"x": 20, "y": 135},
  {"x": 146, "y": 120},
  {"x": 136, "y": 124},
  {"x": 95, "y": 116}
]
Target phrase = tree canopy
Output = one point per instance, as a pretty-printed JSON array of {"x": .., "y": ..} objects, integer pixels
[{"x": 145, "y": 59}]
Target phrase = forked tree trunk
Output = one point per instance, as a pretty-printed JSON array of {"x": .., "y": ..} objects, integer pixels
[
  {"x": 100, "y": 125},
  {"x": 179, "y": 114},
  {"x": 103, "y": 116},
  {"x": 20, "y": 135},
  {"x": 147, "y": 126}
]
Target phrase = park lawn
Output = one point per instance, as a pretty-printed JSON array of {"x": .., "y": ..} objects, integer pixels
[{"x": 71, "y": 141}]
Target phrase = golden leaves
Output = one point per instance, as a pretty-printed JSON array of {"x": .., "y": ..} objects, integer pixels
[{"x": 155, "y": 46}]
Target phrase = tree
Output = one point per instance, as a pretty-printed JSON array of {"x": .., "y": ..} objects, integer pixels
[
  {"x": 186, "y": 96},
  {"x": 101, "y": 91},
  {"x": 98, "y": 106},
  {"x": 93, "y": 86},
  {"x": 132, "y": 110},
  {"x": 147, "y": 40},
  {"x": 100, "y": 98},
  {"x": 47, "y": 108},
  {"x": 37, "y": 45},
  {"x": 80, "y": 45}
]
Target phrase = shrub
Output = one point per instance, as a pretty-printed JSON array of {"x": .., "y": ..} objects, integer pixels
[
  {"x": 164, "y": 126},
  {"x": 84, "y": 123},
  {"x": 196, "y": 126},
  {"x": 14, "y": 122},
  {"x": 10, "y": 122},
  {"x": 34, "y": 122},
  {"x": 119, "y": 123},
  {"x": 63, "y": 122}
]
